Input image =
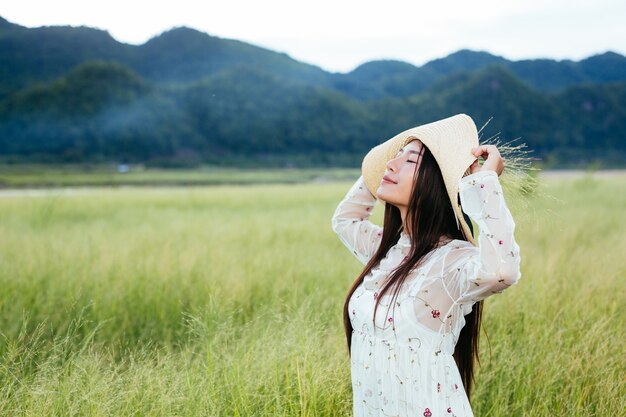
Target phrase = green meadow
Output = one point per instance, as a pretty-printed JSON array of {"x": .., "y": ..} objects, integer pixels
[
  {"x": 81, "y": 175},
  {"x": 227, "y": 300}
]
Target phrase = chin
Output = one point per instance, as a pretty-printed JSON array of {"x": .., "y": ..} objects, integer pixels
[{"x": 381, "y": 195}]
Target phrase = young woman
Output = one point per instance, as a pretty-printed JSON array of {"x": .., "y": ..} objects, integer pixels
[{"x": 412, "y": 317}]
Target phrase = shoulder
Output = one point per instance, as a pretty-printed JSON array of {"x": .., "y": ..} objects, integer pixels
[
  {"x": 457, "y": 253},
  {"x": 462, "y": 245}
]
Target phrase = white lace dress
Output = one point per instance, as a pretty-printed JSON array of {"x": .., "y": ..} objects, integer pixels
[{"x": 403, "y": 365}]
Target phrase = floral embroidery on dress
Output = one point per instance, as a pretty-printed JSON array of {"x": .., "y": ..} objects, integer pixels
[{"x": 397, "y": 359}]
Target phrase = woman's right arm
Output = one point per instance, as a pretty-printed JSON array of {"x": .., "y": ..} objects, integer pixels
[{"x": 352, "y": 225}]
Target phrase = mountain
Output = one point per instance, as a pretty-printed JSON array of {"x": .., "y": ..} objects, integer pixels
[
  {"x": 606, "y": 68},
  {"x": 179, "y": 55},
  {"x": 6, "y": 25},
  {"x": 98, "y": 108},
  {"x": 104, "y": 109},
  {"x": 493, "y": 91},
  {"x": 599, "y": 112},
  {"x": 461, "y": 61},
  {"x": 45, "y": 53},
  {"x": 383, "y": 78},
  {"x": 182, "y": 55},
  {"x": 76, "y": 94},
  {"x": 554, "y": 76},
  {"x": 387, "y": 78}
]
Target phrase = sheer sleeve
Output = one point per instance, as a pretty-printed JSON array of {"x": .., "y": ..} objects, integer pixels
[
  {"x": 475, "y": 273},
  {"x": 351, "y": 222}
]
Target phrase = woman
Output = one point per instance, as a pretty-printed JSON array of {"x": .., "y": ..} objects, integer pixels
[{"x": 424, "y": 268}]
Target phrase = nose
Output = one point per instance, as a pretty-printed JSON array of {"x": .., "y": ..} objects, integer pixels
[{"x": 391, "y": 165}]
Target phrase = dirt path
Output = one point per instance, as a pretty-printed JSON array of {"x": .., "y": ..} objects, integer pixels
[{"x": 577, "y": 173}]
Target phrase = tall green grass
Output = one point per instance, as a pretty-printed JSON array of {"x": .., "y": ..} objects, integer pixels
[{"x": 227, "y": 301}]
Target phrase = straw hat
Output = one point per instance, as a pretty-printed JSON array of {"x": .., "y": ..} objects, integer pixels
[{"x": 450, "y": 140}]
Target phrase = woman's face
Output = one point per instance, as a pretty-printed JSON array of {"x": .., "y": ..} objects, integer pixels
[{"x": 400, "y": 170}]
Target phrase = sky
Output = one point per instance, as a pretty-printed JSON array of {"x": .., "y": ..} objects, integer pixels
[{"x": 340, "y": 35}]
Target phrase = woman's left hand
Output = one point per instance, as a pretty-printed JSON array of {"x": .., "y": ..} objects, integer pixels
[{"x": 492, "y": 157}]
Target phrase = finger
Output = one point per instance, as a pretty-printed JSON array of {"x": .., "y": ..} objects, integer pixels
[
  {"x": 484, "y": 149},
  {"x": 478, "y": 153}
]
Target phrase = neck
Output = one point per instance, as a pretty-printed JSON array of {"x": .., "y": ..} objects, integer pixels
[{"x": 405, "y": 224}]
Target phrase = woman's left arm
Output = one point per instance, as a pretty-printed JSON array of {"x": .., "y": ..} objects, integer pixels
[{"x": 476, "y": 273}]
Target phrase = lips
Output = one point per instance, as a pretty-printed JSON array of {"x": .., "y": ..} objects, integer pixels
[{"x": 387, "y": 179}]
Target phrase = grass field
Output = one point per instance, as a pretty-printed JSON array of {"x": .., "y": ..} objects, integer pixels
[
  {"x": 40, "y": 175},
  {"x": 227, "y": 301}
]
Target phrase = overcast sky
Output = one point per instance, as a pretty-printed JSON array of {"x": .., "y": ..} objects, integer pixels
[{"x": 342, "y": 34}]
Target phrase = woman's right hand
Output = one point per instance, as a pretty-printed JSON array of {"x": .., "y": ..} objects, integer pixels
[{"x": 493, "y": 159}]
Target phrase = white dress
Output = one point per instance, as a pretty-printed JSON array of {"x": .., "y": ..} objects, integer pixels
[{"x": 403, "y": 365}]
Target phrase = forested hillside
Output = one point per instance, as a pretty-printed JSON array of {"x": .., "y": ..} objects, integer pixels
[{"x": 72, "y": 94}]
